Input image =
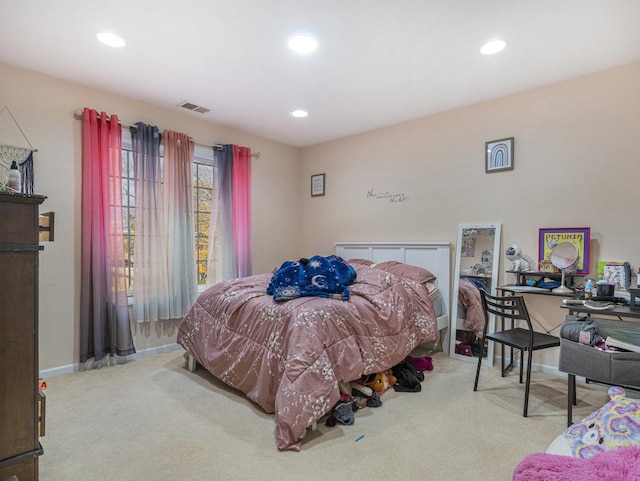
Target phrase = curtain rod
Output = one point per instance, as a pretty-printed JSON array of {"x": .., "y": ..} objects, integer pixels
[{"x": 256, "y": 155}]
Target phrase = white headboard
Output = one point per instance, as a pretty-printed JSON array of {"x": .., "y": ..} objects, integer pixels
[{"x": 433, "y": 256}]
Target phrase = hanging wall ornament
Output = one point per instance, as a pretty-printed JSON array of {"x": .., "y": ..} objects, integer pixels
[{"x": 21, "y": 155}]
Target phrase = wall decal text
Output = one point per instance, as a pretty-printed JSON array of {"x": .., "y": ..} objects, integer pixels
[{"x": 393, "y": 198}]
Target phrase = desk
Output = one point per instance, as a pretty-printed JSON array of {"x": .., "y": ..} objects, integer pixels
[
  {"x": 522, "y": 276},
  {"x": 619, "y": 368},
  {"x": 621, "y": 312}
]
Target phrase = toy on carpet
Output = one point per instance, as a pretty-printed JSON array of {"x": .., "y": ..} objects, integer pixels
[
  {"x": 622, "y": 464},
  {"x": 614, "y": 425},
  {"x": 366, "y": 391},
  {"x": 380, "y": 381}
]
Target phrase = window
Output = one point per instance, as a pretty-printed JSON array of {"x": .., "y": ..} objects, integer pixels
[
  {"x": 128, "y": 212},
  {"x": 202, "y": 194}
]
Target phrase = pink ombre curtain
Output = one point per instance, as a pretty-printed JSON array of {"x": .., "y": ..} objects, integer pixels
[
  {"x": 221, "y": 263},
  {"x": 151, "y": 290},
  {"x": 104, "y": 316},
  {"x": 241, "y": 203},
  {"x": 178, "y": 201},
  {"x": 230, "y": 224}
]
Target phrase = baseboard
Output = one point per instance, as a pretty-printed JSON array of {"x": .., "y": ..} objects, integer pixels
[
  {"x": 553, "y": 370},
  {"x": 535, "y": 367},
  {"x": 76, "y": 367}
]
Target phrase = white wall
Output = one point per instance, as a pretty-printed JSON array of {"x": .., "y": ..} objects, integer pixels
[
  {"x": 577, "y": 149},
  {"x": 577, "y": 163},
  {"x": 44, "y": 107}
]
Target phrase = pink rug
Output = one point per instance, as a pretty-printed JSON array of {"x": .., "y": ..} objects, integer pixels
[{"x": 622, "y": 464}]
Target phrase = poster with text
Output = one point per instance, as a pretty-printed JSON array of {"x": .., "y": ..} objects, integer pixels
[{"x": 578, "y": 236}]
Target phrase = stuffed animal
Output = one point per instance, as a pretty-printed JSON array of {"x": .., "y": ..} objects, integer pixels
[
  {"x": 380, "y": 381},
  {"x": 518, "y": 261},
  {"x": 614, "y": 425}
]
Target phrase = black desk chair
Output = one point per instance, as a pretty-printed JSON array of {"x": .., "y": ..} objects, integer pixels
[{"x": 523, "y": 339}]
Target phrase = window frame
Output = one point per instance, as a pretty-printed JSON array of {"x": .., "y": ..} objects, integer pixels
[{"x": 203, "y": 160}]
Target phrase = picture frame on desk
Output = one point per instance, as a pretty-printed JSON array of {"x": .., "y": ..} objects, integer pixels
[{"x": 548, "y": 238}]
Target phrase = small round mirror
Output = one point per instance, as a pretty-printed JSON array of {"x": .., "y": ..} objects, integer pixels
[{"x": 564, "y": 256}]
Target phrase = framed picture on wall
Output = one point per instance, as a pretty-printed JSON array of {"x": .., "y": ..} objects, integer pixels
[
  {"x": 317, "y": 185},
  {"x": 579, "y": 236},
  {"x": 498, "y": 155}
]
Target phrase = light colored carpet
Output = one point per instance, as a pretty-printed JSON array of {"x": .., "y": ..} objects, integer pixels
[{"x": 151, "y": 419}]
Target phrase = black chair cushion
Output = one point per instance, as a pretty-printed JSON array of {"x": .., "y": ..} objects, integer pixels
[{"x": 519, "y": 339}]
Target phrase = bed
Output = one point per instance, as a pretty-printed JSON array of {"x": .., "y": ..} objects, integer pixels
[
  {"x": 289, "y": 357},
  {"x": 434, "y": 256}
]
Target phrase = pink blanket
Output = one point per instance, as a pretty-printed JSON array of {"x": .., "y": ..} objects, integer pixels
[
  {"x": 289, "y": 356},
  {"x": 622, "y": 464}
]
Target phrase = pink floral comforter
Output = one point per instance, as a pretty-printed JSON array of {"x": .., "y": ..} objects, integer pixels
[{"x": 289, "y": 356}]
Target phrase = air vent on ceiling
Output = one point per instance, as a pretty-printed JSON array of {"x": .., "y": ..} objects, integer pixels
[{"x": 194, "y": 107}]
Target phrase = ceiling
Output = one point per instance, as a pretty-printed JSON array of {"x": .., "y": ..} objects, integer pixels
[{"x": 378, "y": 62}]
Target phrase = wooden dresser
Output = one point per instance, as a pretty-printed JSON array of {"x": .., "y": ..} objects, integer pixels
[{"x": 19, "y": 394}]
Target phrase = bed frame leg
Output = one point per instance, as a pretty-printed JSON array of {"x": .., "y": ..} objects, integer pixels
[
  {"x": 314, "y": 426},
  {"x": 191, "y": 363}
]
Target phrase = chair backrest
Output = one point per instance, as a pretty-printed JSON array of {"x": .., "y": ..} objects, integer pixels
[{"x": 507, "y": 307}]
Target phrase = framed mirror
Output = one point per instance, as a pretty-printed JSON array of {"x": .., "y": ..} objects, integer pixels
[{"x": 477, "y": 264}]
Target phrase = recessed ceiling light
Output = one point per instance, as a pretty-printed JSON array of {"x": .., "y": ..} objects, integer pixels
[
  {"x": 302, "y": 44},
  {"x": 299, "y": 113},
  {"x": 494, "y": 46},
  {"x": 111, "y": 39}
]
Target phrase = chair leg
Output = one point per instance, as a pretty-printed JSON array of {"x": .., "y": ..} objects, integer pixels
[
  {"x": 475, "y": 385},
  {"x": 521, "y": 363},
  {"x": 526, "y": 389},
  {"x": 571, "y": 397}
]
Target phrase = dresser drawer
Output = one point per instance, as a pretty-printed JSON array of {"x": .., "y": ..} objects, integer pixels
[{"x": 19, "y": 219}]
